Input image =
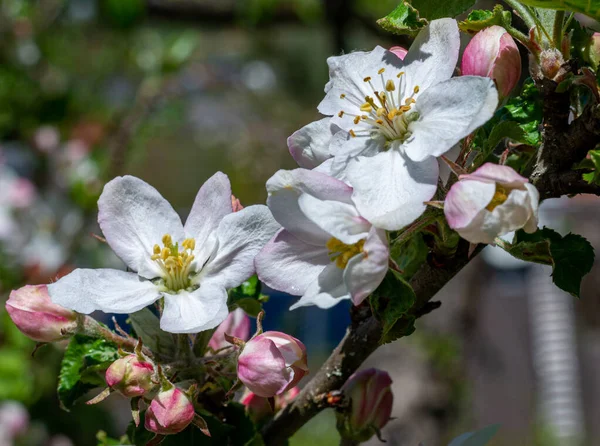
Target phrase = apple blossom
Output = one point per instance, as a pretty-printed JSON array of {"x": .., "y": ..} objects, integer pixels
[
  {"x": 493, "y": 53},
  {"x": 490, "y": 202},
  {"x": 326, "y": 250},
  {"x": 130, "y": 376},
  {"x": 237, "y": 325},
  {"x": 193, "y": 269},
  {"x": 371, "y": 399},
  {"x": 272, "y": 363},
  {"x": 32, "y": 311},
  {"x": 398, "y": 116},
  {"x": 170, "y": 412}
]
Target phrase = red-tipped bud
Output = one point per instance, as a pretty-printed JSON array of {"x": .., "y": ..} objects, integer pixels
[
  {"x": 272, "y": 363},
  {"x": 32, "y": 311},
  {"x": 170, "y": 412},
  {"x": 493, "y": 53},
  {"x": 130, "y": 376},
  {"x": 399, "y": 51},
  {"x": 370, "y": 404},
  {"x": 237, "y": 325}
]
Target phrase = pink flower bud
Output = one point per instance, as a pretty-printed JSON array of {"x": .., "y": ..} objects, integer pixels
[
  {"x": 371, "y": 400},
  {"x": 272, "y": 363},
  {"x": 32, "y": 311},
  {"x": 594, "y": 50},
  {"x": 490, "y": 202},
  {"x": 170, "y": 412},
  {"x": 493, "y": 53},
  {"x": 130, "y": 376},
  {"x": 399, "y": 51},
  {"x": 237, "y": 325}
]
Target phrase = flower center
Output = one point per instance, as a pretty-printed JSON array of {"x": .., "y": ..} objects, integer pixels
[
  {"x": 386, "y": 111},
  {"x": 342, "y": 253},
  {"x": 175, "y": 264},
  {"x": 500, "y": 196}
]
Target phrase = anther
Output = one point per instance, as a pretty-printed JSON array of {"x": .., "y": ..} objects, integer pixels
[
  {"x": 341, "y": 114},
  {"x": 167, "y": 241},
  {"x": 342, "y": 96},
  {"x": 352, "y": 133},
  {"x": 390, "y": 86},
  {"x": 366, "y": 107},
  {"x": 367, "y": 79},
  {"x": 356, "y": 119},
  {"x": 416, "y": 89},
  {"x": 381, "y": 71},
  {"x": 399, "y": 75}
]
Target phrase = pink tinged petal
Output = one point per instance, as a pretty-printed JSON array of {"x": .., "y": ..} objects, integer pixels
[
  {"x": 389, "y": 188},
  {"x": 309, "y": 146},
  {"x": 213, "y": 202},
  {"x": 237, "y": 324},
  {"x": 399, "y": 51},
  {"x": 134, "y": 217},
  {"x": 465, "y": 200},
  {"x": 240, "y": 237},
  {"x": 108, "y": 290},
  {"x": 534, "y": 199},
  {"x": 290, "y": 265},
  {"x": 196, "y": 311},
  {"x": 365, "y": 271},
  {"x": 262, "y": 368},
  {"x": 169, "y": 412},
  {"x": 285, "y": 188},
  {"x": 326, "y": 291},
  {"x": 448, "y": 112},
  {"x": 479, "y": 55},
  {"x": 340, "y": 220},
  {"x": 505, "y": 175},
  {"x": 34, "y": 314},
  {"x": 506, "y": 71},
  {"x": 433, "y": 55}
]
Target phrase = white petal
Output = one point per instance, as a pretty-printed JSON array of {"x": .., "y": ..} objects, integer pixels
[
  {"x": 534, "y": 200},
  {"x": 514, "y": 213},
  {"x": 212, "y": 204},
  {"x": 196, "y": 311},
  {"x": 465, "y": 200},
  {"x": 341, "y": 220},
  {"x": 389, "y": 188},
  {"x": 326, "y": 291},
  {"x": 108, "y": 290},
  {"x": 286, "y": 186},
  {"x": 365, "y": 271},
  {"x": 290, "y": 265},
  {"x": 309, "y": 146},
  {"x": 240, "y": 236},
  {"x": 134, "y": 217},
  {"x": 448, "y": 112},
  {"x": 433, "y": 55}
]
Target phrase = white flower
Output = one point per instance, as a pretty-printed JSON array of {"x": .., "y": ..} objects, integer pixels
[
  {"x": 397, "y": 116},
  {"x": 326, "y": 251},
  {"x": 193, "y": 268},
  {"x": 490, "y": 202}
]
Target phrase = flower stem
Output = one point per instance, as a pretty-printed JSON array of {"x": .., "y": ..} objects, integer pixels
[
  {"x": 91, "y": 327},
  {"x": 557, "y": 32},
  {"x": 425, "y": 220},
  {"x": 522, "y": 11}
]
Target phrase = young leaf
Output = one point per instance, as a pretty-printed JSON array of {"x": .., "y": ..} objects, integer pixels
[
  {"x": 481, "y": 19},
  {"x": 81, "y": 369},
  {"x": 435, "y": 9},
  {"x": 409, "y": 256},
  {"x": 571, "y": 256},
  {"x": 147, "y": 326},
  {"x": 593, "y": 177},
  {"x": 588, "y": 7},
  {"x": 390, "y": 302},
  {"x": 247, "y": 297},
  {"x": 403, "y": 20},
  {"x": 477, "y": 438},
  {"x": 506, "y": 129}
]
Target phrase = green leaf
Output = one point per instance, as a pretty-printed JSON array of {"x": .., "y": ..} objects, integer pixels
[
  {"x": 482, "y": 18},
  {"x": 147, "y": 327},
  {"x": 477, "y": 438},
  {"x": 593, "y": 177},
  {"x": 588, "y": 7},
  {"x": 403, "y": 20},
  {"x": 85, "y": 361},
  {"x": 247, "y": 297},
  {"x": 389, "y": 303},
  {"x": 436, "y": 9},
  {"x": 571, "y": 256},
  {"x": 409, "y": 256},
  {"x": 506, "y": 129}
]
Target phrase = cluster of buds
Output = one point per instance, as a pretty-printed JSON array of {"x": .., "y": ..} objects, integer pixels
[
  {"x": 32, "y": 311},
  {"x": 369, "y": 405}
]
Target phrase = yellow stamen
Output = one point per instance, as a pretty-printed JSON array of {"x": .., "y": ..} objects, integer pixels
[
  {"x": 399, "y": 75},
  {"x": 175, "y": 264},
  {"x": 500, "y": 196},
  {"x": 367, "y": 79},
  {"x": 357, "y": 120},
  {"x": 352, "y": 133},
  {"x": 342, "y": 253},
  {"x": 341, "y": 114},
  {"x": 390, "y": 86},
  {"x": 416, "y": 89},
  {"x": 366, "y": 107},
  {"x": 381, "y": 71},
  {"x": 342, "y": 96}
]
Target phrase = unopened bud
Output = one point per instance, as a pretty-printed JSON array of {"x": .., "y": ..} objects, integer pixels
[
  {"x": 493, "y": 53},
  {"x": 32, "y": 311},
  {"x": 130, "y": 376},
  {"x": 272, "y": 363},
  {"x": 237, "y": 325},
  {"x": 170, "y": 412},
  {"x": 370, "y": 404}
]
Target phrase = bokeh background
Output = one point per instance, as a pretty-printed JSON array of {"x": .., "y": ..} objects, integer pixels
[{"x": 174, "y": 90}]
